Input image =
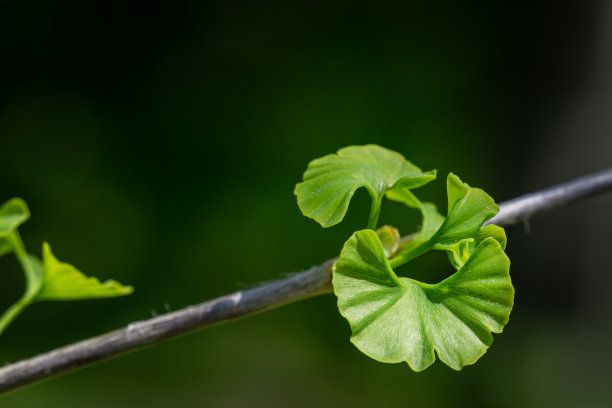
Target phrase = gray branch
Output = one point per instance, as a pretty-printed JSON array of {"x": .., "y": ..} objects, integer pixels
[
  {"x": 313, "y": 282},
  {"x": 524, "y": 207}
]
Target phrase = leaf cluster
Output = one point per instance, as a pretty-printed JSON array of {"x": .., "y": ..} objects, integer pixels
[
  {"x": 46, "y": 279},
  {"x": 393, "y": 318}
]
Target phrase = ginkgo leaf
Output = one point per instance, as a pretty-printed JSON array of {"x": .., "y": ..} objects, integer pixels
[
  {"x": 330, "y": 181},
  {"x": 13, "y": 213},
  {"x": 469, "y": 208},
  {"x": 397, "y": 319},
  {"x": 62, "y": 281},
  {"x": 49, "y": 279},
  {"x": 459, "y": 253}
]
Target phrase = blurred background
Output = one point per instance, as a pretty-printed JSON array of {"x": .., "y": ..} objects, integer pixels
[{"x": 159, "y": 145}]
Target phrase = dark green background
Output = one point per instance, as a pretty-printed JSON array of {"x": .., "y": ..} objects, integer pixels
[{"x": 159, "y": 145}]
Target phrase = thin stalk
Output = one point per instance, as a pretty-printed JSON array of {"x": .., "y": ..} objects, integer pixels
[
  {"x": 12, "y": 312},
  {"x": 375, "y": 211},
  {"x": 20, "y": 253}
]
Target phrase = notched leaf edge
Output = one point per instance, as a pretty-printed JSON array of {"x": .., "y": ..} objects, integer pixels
[
  {"x": 330, "y": 182},
  {"x": 484, "y": 304}
]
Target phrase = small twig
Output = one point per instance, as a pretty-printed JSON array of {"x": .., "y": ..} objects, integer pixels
[{"x": 313, "y": 282}]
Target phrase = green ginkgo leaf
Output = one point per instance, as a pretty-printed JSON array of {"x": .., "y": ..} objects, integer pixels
[
  {"x": 459, "y": 253},
  {"x": 13, "y": 213},
  {"x": 468, "y": 209},
  {"x": 62, "y": 281},
  {"x": 49, "y": 279},
  {"x": 395, "y": 319},
  {"x": 55, "y": 280},
  {"x": 330, "y": 181}
]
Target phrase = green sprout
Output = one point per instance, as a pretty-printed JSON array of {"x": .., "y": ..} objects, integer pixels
[
  {"x": 49, "y": 279},
  {"x": 395, "y": 319}
]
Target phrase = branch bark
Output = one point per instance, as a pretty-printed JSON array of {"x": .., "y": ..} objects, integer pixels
[{"x": 312, "y": 282}]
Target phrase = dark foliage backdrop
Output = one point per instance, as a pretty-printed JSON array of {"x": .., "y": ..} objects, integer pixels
[{"x": 159, "y": 145}]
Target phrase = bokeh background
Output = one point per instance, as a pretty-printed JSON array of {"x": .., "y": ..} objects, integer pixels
[{"x": 158, "y": 144}]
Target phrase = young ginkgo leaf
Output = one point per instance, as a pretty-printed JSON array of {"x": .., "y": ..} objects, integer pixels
[
  {"x": 460, "y": 252},
  {"x": 62, "y": 281},
  {"x": 49, "y": 279},
  {"x": 330, "y": 181},
  {"x": 395, "y": 319},
  {"x": 468, "y": 209},
  {"x": 13, "y": 213}
]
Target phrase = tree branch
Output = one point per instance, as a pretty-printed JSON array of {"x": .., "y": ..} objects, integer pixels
[
  {"x": 526, "y": 206},
  {"x": 313, "y": 282}
]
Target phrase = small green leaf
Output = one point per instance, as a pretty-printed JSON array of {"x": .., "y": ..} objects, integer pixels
[
  {"x": 62, "y": 281},
  {"x": 493, "y": 231},
  {"x": 399, "y": 319},
  {"x": 13, "y": 213},
  {"x": 459, "y": 253},
  {"x": 49, "y": 280},
  {"x": 469, "y": 208},
  {"x": 462, "y": 232},
  {"x": 330, "y": 181}
]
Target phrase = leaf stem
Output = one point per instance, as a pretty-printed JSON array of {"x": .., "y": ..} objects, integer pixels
[
  {"x": 20, "y": 253},
  {"x": 375, "y": 211},
  {"x": 12, "y": 312}
]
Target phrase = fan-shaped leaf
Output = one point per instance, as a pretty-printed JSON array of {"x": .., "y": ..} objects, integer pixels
[
  {"x": 469, "y": 208},
  {"x": 62, "y": 281},
  {"x": 330, "y": 181},
  {"x": 399, "y": 319},
  {"x": 13, "y": 213},
  {"x": 51, "y": 279},
  {"x": 459, "y": 253}
]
